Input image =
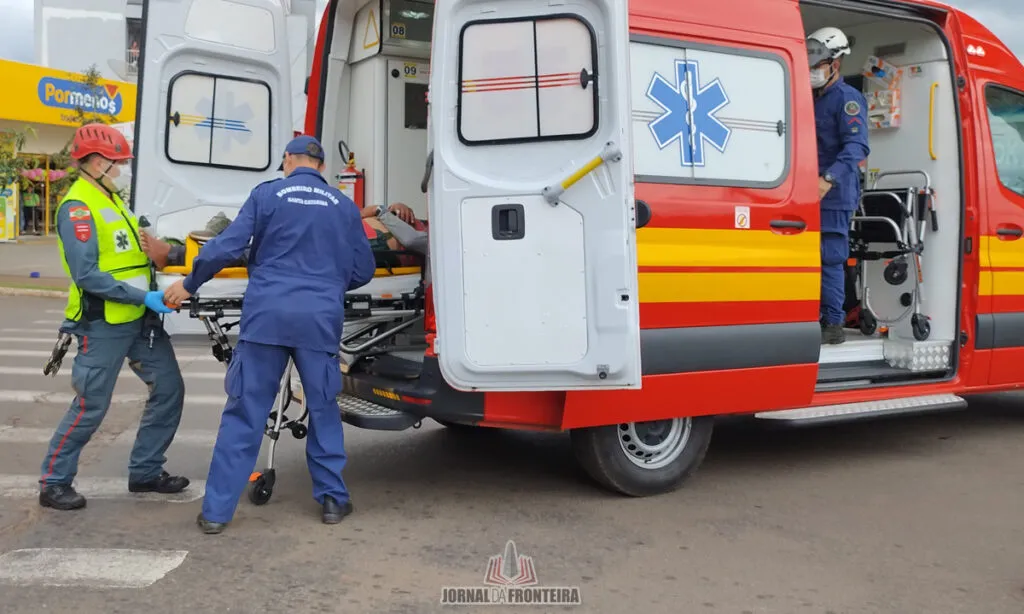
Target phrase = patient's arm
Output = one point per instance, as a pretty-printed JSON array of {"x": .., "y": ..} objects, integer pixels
[{"x": 410, "y": 238}]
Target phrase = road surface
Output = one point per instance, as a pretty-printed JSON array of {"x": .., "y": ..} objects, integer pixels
[{"x": 910, "y": 516}]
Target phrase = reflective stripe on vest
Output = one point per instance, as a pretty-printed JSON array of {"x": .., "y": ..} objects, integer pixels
[{"x": 119, "y": 252}]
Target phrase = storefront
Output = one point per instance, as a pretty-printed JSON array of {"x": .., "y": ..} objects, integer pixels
[{"x": 51, "y": 103}]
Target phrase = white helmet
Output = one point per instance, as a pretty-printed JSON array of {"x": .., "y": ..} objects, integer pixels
[{"x": 826, "y": 44}]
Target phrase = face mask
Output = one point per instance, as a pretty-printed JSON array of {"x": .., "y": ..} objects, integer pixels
[
  {"x": 123, "y": 182},
  {"x": 819, "y": 77}
]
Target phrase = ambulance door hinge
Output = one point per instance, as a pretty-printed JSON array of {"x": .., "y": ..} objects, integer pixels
[
  {"x": 961, "y": 81},
  {"x": 963, "y": 338},
  {"x": 968, "y": 245}
]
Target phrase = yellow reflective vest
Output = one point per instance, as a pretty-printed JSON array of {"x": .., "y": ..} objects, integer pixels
[{"x": 120, "y": 255}]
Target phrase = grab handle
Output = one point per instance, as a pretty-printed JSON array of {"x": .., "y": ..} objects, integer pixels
[
  {"x": 610, "y": 153},
  {"x": 931, "y": 122}
]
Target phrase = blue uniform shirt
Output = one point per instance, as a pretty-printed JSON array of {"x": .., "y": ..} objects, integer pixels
[
  {"x": 308, "y": 249},
  {"x": 841, "y": 119}
]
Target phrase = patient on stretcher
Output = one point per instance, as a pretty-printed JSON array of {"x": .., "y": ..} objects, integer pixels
[{"x": 384, "y": 229}]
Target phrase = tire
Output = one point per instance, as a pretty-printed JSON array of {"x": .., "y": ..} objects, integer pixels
[{"x": 668, "y": 453}]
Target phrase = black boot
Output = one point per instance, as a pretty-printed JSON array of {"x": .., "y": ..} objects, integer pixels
[
  {"x": 832, "y": 334},
  {"x": 333, "y": 512},
  {"x": 166, "y": 484},
  {"x": 61, "y": 497},
  {"x": 208, "y": 527}
]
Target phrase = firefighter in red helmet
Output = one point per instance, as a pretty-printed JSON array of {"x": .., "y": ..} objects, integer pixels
[{"x": 110, "y": 308}]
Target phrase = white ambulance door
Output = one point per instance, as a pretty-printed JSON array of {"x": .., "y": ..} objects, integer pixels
[
  {"x": 214, "y": 109},
  {"x": 534, "y": 274}
]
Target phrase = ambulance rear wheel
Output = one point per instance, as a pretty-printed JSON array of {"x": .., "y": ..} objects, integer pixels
[{"x": 640, "y": 459}]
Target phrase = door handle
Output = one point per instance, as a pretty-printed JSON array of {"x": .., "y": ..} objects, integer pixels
[
  {"x": 508, "y": 222},
  {"x": 1010, "y": 230},
  {"x": 788, "y": 224}
]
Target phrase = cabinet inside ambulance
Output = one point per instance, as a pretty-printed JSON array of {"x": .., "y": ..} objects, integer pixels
[{"x": 903, "y": 287}]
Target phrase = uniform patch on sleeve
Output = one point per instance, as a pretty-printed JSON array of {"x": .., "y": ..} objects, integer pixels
[
  {"x": 852, "y": 107},
  {"x": 83, "y": 231},
  {"x": 79, "y": 213}
]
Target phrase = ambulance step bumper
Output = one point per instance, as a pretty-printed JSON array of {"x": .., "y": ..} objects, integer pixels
[
  {"x": 865, "y": 410},
  {"x": 368, "y": 415}
]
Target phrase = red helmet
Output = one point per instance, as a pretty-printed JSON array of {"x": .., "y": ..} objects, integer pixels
[{"x": 100, "y": 139}]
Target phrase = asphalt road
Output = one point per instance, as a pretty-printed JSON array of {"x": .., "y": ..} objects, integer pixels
[{"x": 911, "y": 516}]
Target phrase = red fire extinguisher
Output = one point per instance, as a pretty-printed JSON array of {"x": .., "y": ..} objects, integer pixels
[{"x": 351, "y": 180}]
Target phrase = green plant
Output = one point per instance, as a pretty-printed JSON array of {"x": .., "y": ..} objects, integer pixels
[
  {"x": 11, "y": 164},
  {"x": 91, "y": 79}
]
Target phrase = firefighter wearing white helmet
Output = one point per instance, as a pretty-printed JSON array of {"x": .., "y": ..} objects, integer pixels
[{"x": 840, "y": 114}]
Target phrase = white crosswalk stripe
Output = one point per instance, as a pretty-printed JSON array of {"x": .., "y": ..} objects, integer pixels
[
  {"x": 35, "y": 396},
  {"x": 182, "y": 356},
  {"x": 18, "y": 434},
  {"x": 31, "y": 331},
  {"x": 94, "y": 568},
  {"x": 216, "y": 375},
  {"x": 27, "y": 487}
]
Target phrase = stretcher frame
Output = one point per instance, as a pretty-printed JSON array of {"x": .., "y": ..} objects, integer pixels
[{"x": 369, "y": 312}]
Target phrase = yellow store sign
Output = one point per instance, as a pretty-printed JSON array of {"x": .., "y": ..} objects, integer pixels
[{"x": 40, "y": 95}]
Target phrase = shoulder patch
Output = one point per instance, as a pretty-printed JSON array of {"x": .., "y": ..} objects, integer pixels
[
  {"x": 79, "y": 212},
  {"x": 852, "y": 107},
  {"x": 83, "y": 231}
]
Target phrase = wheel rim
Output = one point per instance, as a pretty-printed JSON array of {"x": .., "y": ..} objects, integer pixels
[{"x": 653, "y": 445}]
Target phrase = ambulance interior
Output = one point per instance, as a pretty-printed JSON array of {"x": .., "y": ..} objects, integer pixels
[
  {"x": 376, "y": 108},
  {"x": 906, "y": 236}
]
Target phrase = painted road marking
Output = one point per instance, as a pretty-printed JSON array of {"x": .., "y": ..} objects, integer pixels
[
  {"x": 35, "y": 396},
  {"x": 88, "y": 567},
  {"x": 27, "y": 487},
  {"x": 184, "y": 437},
  {"x": 210, "y": 375},
  {"x": 206, "y": 356},
  {"x": 31, "y": 331},
  {"x": 18, "y": 434}
]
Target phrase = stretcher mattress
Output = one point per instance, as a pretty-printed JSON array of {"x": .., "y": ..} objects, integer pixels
[{"x": 232, "y": 285}]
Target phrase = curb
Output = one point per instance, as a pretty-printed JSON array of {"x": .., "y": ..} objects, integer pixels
[{"x": 37, "y": 292}]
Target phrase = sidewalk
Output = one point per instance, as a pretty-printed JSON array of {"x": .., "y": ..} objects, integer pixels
[{"x": 31, "y": 267}]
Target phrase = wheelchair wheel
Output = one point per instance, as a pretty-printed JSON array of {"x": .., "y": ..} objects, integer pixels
[
  {"x": 260, "y": 490},
  {"x": 868, "y": 323},
  {"x": 922, "y": 328}
]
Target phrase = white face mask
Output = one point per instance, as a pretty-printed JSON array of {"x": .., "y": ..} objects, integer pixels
[
  {"x": 819, "y": 77},
  {"x": 123, "y": 182}
]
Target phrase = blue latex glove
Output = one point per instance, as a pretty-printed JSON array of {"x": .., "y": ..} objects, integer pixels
[{"x": 155, "y": 301}]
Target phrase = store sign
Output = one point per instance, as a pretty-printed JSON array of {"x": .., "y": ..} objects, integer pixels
[{"x": 66, "y": 94}]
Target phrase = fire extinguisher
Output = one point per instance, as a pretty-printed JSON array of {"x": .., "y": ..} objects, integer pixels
[{"x": 351, "y": 180}]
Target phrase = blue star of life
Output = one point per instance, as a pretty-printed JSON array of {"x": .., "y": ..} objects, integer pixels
[{"x": 689, "y": 113}]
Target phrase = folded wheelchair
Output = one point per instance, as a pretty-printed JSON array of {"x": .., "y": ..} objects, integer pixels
[{"x": 896, "y": 218}]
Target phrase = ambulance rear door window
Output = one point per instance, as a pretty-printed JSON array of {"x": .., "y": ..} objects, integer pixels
[
  {"x": 527, "y": 80},
  {"x": 218, "y": 121}
]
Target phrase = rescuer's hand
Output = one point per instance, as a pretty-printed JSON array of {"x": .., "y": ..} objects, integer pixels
[
  {"x": 176, "y": 294},
  {"x": 823, "y": 187},
  {"x": 156, "y": 249}
]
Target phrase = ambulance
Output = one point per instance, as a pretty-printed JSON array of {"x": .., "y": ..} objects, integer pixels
[{"x": 624, "y": 237}]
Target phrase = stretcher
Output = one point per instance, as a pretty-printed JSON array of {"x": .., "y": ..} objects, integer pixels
[{"x": 388, "y": 305}]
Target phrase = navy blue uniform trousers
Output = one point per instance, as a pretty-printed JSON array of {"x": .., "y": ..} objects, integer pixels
[
  {"x": 252, "y": 385},
  {"x": 835, "y": 249}
]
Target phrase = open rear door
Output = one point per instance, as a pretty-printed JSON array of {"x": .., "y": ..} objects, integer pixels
[
  {"x": 533, "y": 251},
  {"x": 214, "y": 108}
]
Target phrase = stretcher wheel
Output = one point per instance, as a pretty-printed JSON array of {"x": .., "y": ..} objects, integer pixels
[
  {"x": 260, "y": 490},
  {"x": 868, "y": 323},
  {"x": 298, "y": 431},
  {"x": 922, "y": 328}
]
